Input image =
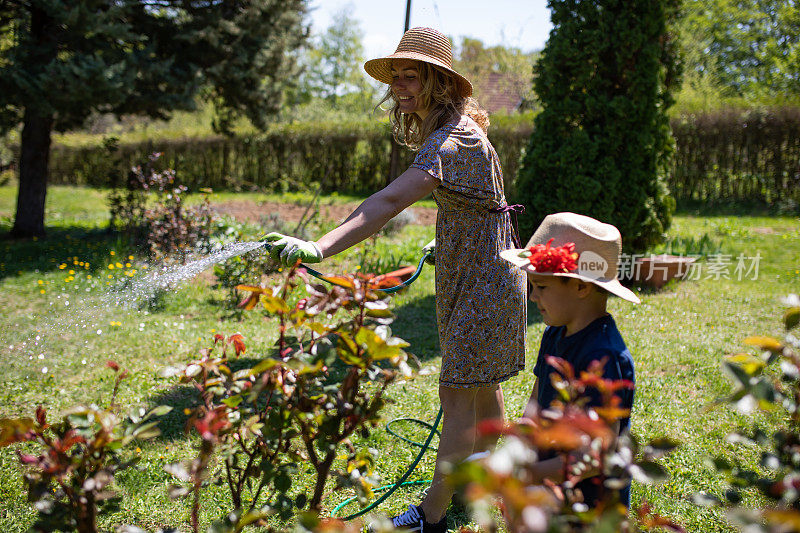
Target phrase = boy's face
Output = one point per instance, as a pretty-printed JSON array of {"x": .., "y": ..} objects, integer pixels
[{"x": 557, "y": 300}]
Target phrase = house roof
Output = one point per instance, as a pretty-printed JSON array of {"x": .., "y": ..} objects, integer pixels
[{"x": 496, "y": 94}]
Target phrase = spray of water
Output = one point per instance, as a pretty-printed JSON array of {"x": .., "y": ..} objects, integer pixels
[
  {"x": 73, "y": 320},
  {"x": 164, "y": 278}
]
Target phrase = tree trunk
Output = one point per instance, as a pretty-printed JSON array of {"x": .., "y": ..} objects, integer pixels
[
  {"x": 33, "y": 169},
  {"x": 35, "y": 142}
]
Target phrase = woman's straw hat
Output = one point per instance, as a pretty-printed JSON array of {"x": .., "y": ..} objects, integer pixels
[
  {"x": 597, "y": 246},
  {"x": 421, "y": 44}
]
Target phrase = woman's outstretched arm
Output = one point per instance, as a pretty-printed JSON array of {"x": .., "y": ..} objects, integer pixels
[{"x": 377, "y": 210}]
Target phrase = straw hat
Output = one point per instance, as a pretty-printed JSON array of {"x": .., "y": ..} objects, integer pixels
[
  {"x": 596, "y": 246},
  {"x": 421, "y": 44}
]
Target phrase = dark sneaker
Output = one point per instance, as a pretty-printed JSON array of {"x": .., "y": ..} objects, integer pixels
[{"x": 414, "y": 520}]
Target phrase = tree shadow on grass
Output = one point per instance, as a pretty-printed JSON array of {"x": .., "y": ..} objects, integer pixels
[
  {"x": 61, "y": 244},
  {"x": 416, "y": 324}
]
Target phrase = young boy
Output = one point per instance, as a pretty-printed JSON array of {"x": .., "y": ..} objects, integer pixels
[{"x": 571, "y": 263}]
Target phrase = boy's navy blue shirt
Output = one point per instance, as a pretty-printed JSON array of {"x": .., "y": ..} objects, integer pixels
[{"x": 600, "y": 339}]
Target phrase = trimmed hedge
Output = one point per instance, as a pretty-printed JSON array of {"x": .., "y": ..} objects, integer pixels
[
  {"x": 724, "y": 155},
  {"x": 737, "y": 155}
]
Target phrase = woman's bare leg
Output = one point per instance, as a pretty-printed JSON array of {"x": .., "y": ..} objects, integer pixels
[
  {"x": 490, "y": 405},
  {"x": 456, "y": 443}
]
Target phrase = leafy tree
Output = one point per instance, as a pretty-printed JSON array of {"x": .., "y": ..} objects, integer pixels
[
  {"x": 601, "y": 144},
  {"x": 333, "y": 64},
  {"x": 68, "y": 59},
  {"x": 750, "y": 48},
  {"x": 508, "y": 67}
]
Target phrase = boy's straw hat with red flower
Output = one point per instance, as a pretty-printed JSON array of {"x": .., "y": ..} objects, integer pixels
[{"x": 576, "y": 246}]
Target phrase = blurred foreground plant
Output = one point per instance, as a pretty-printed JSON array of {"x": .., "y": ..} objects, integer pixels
[
  {"x": 585, "y": 438},
  {"x": 72, "y": 473},
  {"x": 758, "y": 388},
  {"x": 325, "y": 382}
]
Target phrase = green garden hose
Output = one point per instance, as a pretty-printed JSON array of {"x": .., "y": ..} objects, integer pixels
[
  {"x": 402, "y": 481},
  {"x": 390, "y": 489},
  {"x": 396, "y": 288}
]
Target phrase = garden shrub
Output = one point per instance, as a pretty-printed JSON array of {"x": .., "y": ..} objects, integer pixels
[
  {"x": 601, "y": 145},
  {"x": 70, "y": 477},
  {"x": 151, "y": 211},
  {"x": 324, "y": 384}
]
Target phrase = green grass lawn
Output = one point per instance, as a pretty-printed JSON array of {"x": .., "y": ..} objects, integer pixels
[{"x": 56, "y": 333}]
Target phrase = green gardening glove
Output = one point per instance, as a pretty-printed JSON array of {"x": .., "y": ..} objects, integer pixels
[
  {"x": 287, "y": 250},
  {"x": 430, "y": 248}
]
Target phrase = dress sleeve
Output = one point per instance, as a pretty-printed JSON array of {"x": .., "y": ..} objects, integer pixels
[
  {"x": 429, "y": 158},
  {"x": 462, "y": 161}
]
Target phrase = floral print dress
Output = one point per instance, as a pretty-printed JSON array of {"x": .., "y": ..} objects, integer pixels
[{"x": 480, "y": 298}]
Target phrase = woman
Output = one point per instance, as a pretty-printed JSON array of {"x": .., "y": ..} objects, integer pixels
[{"x": 480, "y": 300}]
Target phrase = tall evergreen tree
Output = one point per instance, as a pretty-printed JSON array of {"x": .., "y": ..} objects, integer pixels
[
  {"x": 601, "y": 144},
  {"x": 68, "y": 58}
]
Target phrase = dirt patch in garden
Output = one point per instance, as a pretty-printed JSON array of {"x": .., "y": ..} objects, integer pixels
[
  {"x": 764, "y": 230},
  {"x": 250, "y": 211}
]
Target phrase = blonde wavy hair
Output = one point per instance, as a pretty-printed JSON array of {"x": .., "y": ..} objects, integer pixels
[{"x": 439, "y": 94}]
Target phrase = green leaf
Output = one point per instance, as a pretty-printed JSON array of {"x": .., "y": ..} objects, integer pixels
[
  {"x": 275, "y": 305},
  {"x": 263, "y": 365},
  {"x": 751, "y": 364},
  {"x": 161, "y": 410},
  {"x": 233, "y": 401},
  {"x": 376, "y": 348},
  {"x": 147, "y": 431},
  {"x": 791, "y": 318},
  {"x": 765, "y": 343}
]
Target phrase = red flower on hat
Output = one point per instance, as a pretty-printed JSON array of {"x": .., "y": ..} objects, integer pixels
[{"x": 561, "y": 259}]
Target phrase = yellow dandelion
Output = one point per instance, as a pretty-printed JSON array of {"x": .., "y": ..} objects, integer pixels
[
  {"x": 187, "y": 411},
  {"x": 40, "y": 282},
  {"x": 118, "y": 265},
  {"x": 127, "y": 265},
  {"x": 130, "y": 258},
  {"x": 89, "y": 276},
  {"x": 74, "y": 261},
  {"x": 112, "y": 252},
  {"x": 42, "y": 291},
  {"x": 62, "y": 266},
  {"x": 111, "y": 267},
  {"x": 138, "y": 450},
  {"x": 71, "y": 272},
  {"x": 109, "y": 277},
  {"x": 144, "y": 267}
]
